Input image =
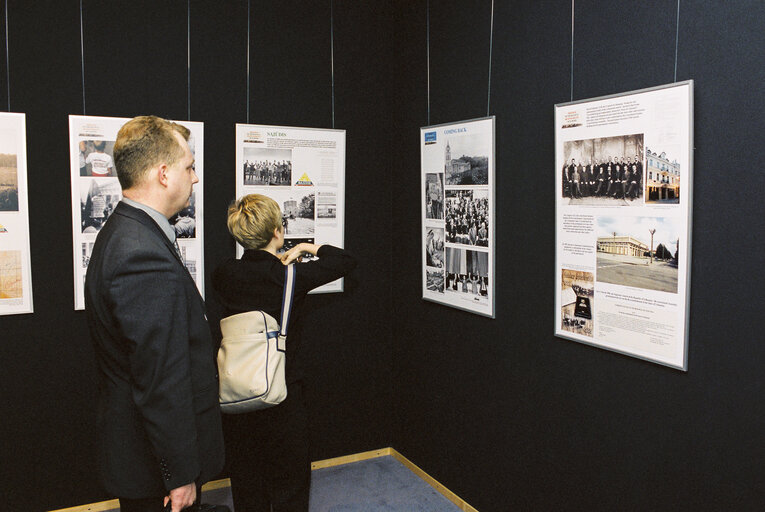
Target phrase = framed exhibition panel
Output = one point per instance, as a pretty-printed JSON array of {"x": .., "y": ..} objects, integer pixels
[
  {"x": 623, "y": 189},
  {"x": 303, "y": 170},
  {"x": 96, "y": 192},
  {"x": 15, "y": 264},
  {"x": 457, "y": 178}
]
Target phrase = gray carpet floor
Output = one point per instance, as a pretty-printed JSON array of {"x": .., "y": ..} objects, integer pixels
[{"x": 376, "y": 485}]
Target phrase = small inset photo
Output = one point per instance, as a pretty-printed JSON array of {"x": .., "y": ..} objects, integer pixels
[
  {"x": 97, "y": 158},
  {"x": 434, "y": 247},
  {"x": 97, "y": 202},
  {"x": 267, "y": 167},
  {"x": 435, "y": 280},
  {"x": 576, "y": 301}
]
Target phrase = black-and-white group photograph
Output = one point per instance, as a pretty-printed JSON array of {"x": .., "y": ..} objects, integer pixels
[
  {"x": 267, "y": 167},
  {"x": 98, "y": 198},
  {"x": 467, "y": 272},
  {"x": 434, "y": 195},
  {"x": 577, "y": 301},
  {"x": 434, "y": 247},
  {"x": 97, "y": 158},
  {"x": 663, "y": 182},
  {"x": 638, "y": 251},
  {"x": 466, "y": 160},
  {"x": 604, "y": 171},
  {"x": 185, "y": 221},
  {"x": 9, "y": 183},
  {"x": 467, "y": 217}
]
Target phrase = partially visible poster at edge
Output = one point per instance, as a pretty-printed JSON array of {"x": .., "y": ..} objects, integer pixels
[
  {"x": 623, "y": 194},
  {"x": 303, "y": 170},
  {"x": 458, "y": 215},
  {"x": 96, "y": 192},
  {"x": 15, "y": 261}
]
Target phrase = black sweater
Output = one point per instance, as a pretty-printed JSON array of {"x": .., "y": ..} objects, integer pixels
[{"x": 256, "y": 281}]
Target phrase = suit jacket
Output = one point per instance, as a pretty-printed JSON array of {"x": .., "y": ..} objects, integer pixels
[{"x": 158, "y": 415}]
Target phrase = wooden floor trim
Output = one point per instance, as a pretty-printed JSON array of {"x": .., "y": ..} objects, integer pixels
[{"x": 321, "y": 464}]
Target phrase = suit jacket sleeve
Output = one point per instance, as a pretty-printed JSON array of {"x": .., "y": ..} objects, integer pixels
[{"x": 150, "y": 305}]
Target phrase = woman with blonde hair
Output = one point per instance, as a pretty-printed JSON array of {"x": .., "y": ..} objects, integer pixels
[{"x": 267, "y": 450}]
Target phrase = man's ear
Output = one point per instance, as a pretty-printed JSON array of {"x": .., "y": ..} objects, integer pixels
[{"x": 161, "y": 173}]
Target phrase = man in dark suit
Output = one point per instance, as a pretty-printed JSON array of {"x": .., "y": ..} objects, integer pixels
[{"x": 159, "y": 424}]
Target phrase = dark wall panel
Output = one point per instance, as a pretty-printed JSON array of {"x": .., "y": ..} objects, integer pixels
[
  {"x": 502, "y": 412},
  {"x": 136, "y": 63}
]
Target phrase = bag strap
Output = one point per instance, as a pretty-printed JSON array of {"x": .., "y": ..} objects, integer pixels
[{"x": 287, "y": 296}]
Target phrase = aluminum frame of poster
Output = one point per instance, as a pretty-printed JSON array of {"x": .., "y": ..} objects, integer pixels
[
  {"x": 15, "y": 259},
  {"x": 440, "y": 162},
  {"x": 677, "y": 165},
  {"x": 312, "y": 149},
  {"x": 95, "y": 134}
]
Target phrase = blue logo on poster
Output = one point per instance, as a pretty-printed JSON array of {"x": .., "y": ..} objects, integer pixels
[{"x": 430, "y": 136}]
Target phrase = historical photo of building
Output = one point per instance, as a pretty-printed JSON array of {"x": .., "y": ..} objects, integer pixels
[
  {"x": 466, "y": 160},
  {"x": 435, "y": 280},
  {"x": 638, "y": 251},
  {"x": 604, "y": 171},
  {"x": 663, "y": 181},
  {"x": 577, "y": 301},
  {"x": 298, "y": 207},
  {"x": 267, "y": 166}
]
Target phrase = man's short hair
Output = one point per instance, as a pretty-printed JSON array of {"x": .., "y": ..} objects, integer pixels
[
  {"x": 144, "y": 142},
  {"x": 252, "y": 220}
]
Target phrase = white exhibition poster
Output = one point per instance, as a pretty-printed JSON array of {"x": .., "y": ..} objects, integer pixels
[
  {"x": 457, "y": 179},
  {"x": 623, "y": 188},
  {"x": 303, "y": 170},
  {"x": 15, "y": 265},
  {"x": 96, "y": 192}
]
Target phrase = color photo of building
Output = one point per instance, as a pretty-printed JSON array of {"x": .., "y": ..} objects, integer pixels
[
  {"x": 663, "y": 182},
  {"x": 622, "y": 245}
]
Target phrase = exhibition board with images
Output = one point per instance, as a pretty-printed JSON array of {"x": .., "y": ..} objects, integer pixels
[
  {"x": 96, "y": 192},
  {"x": 15, "y": 262},
  {"x": 457, "y": 177},
  {"x": 623, "y": 186},
  {"x": 303, "y": 170}
]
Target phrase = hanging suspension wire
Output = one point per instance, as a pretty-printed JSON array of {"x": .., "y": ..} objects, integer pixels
[
  {"x": 7, "y": 59},
  {"x": 248, "y": 61},
  {"x": 428, "y": 50},
  {"x": 572, "y": 50},
  {"x": 677, "y": 37},
  {"x": 332, "y": 55},
  {"x": 82, "y": 58},
  {"x": 188, "y": 60},
  {"x": 491, "y": 45}
]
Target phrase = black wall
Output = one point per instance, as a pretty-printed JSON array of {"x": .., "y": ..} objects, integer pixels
[
  {"x": 500, "y": 411},
  {"x": 135, "y": 63}
]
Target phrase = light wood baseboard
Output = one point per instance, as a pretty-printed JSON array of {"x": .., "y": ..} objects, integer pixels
[{"x": 321, "y": 464}]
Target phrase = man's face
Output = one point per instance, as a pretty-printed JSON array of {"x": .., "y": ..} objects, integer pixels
[{"x": 181, "y": 178}]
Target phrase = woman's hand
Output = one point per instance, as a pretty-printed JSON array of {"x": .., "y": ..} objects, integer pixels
[{"x": 296, "y": 253}]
